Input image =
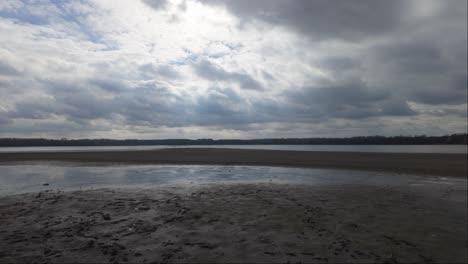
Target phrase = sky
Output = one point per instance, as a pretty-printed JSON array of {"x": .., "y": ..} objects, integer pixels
[{"x": 155, "y": 69}]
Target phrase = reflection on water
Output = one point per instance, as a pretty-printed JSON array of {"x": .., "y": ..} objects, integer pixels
[
  {"x": 31, "y": 178},
  {"x": 351, "y": 148}
]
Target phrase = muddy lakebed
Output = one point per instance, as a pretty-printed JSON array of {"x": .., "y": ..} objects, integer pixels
[{"x": 62, "y": 212}]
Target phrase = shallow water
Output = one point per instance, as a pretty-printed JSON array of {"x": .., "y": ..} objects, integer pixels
[
  {"x": 16, "y": 179},
  {"x": 332, "y": 148}
]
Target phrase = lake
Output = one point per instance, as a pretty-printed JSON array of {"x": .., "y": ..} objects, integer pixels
[
  {"x": 26, "y": 178},
  {"x": 350, "y": 148}
]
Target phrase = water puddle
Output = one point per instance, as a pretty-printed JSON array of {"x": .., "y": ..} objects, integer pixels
[{"x": 16, "y": 179}]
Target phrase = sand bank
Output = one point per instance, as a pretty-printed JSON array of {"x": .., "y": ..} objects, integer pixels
[
  {"x": 420, "y": 163},
  {"x": 235, "y": 223}
]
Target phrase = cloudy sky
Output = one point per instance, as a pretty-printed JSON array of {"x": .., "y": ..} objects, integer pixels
[{"x": 232, "y": 69}]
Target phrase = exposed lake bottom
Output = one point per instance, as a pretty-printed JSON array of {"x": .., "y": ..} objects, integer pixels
[
  {"x": 162, "y": 213},
  {"x": 70, "y": 176}
]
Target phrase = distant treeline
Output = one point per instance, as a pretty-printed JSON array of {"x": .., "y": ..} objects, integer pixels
[{"x": 369, "y": 140}]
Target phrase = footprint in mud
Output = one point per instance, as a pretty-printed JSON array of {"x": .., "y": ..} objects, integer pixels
[{"x": 340, "y": 246}]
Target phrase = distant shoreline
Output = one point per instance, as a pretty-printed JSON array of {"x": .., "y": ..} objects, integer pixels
[
  {"x": 454, "y": 139},
  {"x": 415, "y": 163}
]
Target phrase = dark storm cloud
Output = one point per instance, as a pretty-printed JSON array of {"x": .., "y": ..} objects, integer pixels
[
  {"x": 395, "y": 107},
  {"x": 210, "y": 71},
  {"x": 422, "y": 71},
  {"x": 412, "y": 57},
  {"x": 438, "y": 95},
  {"x": 350, "y": 19},
  {"x": 460, "y": 82}
]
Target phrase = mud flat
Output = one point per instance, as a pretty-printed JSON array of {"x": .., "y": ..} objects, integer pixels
[
  {"x": 419, "y": 163},
  {"x": 236, "y": 223}
]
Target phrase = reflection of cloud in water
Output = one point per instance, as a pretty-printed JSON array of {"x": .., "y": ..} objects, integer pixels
[{"x": 30, "y": 178}]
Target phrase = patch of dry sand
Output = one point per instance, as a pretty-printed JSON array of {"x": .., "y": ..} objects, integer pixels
[{"x": 234, "y": 223}]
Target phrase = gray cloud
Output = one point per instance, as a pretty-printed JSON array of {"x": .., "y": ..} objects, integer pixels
[
  {"x": 438, "y": 95},
  {"x": 156, "y": 4},
  {"x": 396, "y": 107},
  {"x": 77, "y": 105},
  {"x": 183, "y": 6},
  {"x": 150, "y": 71},
  {"x": 352, "y": 100},
  {"x": 4, "y": 118},
  {"x": 340, "y": 64},
  {"x": 221, "y": 106},
  {"x": 37, "y": 109},
  {"x": 422, "y": 72},
  {"x": 157, "y": 106},
  {"x": 210, "y": 71},
  {"x": 414, "y": 57},
  {"x": 422, "y": 67},
  {"x": 354, "y": 67},
  {"x": 6, "y": 69},
  {"x": 109, "y": 85},
  {"x": 352, "y": 19}
]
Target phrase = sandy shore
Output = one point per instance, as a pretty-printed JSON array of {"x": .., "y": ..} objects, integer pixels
[
  {"x": 424, "y": 163},
  {"x": 235, "y": 223}
]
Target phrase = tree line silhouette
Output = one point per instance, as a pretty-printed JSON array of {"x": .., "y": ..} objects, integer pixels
[{"x": 364, "y": 140}]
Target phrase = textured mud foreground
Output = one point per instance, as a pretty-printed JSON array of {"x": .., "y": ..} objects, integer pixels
[{"x": 235, "y": 223}]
